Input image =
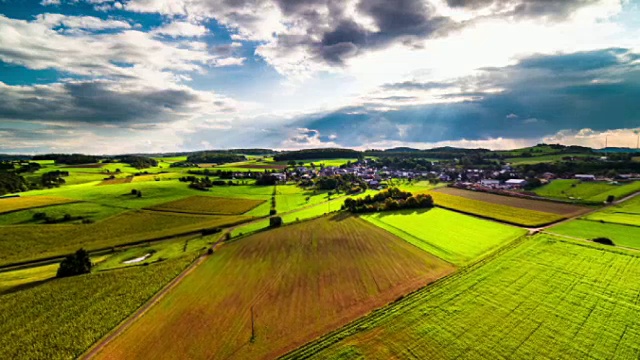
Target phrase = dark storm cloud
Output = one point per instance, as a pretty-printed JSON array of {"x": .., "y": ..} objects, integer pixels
[
  {"x": 415, "y": 85},
  {"x": 91, "y": 102},
  {"x": 526, "y": 8},
  {"x": 599, "y": 92}
]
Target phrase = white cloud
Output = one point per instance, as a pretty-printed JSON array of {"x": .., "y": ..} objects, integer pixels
[
  {"x": 80, "y": 22},
  {"x": 596, "y": 139},
  {"x": 181, "y": 28},
  {"x": 50, "y": 2}
]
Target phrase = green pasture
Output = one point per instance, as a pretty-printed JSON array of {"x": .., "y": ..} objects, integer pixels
[
  {"x": 86, "y": 210},
  {"x": 542, "y": 158},
  {"x": 546, "y": 298},
  {"x": 451, "y": 236},
  {"x": 590, "y": 191}
]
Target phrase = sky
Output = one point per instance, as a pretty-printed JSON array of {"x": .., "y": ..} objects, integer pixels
[{"x": 128, "y": 76}]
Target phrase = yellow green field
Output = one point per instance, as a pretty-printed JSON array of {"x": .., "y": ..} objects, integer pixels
[
  {"x": 21, "y": 203},
  {"x": 296, "y": 283},
  {"x": 546, "y": 298},
  {"x": 454, "y": 237},
  {"x": 208, "y": 205}
]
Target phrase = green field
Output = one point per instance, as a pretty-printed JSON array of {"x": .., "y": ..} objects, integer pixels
[
  {"x": 545, "y": 298},
  {"x": 62, "y": 318},
  {"x": 208, "y": 205},
  {"x": 508, "y": 214},
  {"x": 86, "y": 210},
  {"x": 298, "y": 282},
  {"x": 542, "y": 158},
  {"x": 623, "y": 235},
  {"x": 627, "y": 213},
  {"x": 32, "y": 242},
  {"x": 451, "y": 236},
  {"x": 588, "y": 191}
]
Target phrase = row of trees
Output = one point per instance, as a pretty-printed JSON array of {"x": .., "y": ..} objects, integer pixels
[
  {"x": 388, "y": 200},
  {"x": 215, "y": 157},
  {"x": 329, "y": 153},
  {"x": 138, "y": 162},
  {"x": 69, "y": 159}
]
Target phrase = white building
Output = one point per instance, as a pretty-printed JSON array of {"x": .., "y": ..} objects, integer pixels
[
  {"x": 489, "y": 182},
  {"x": 516, "y": 183}
]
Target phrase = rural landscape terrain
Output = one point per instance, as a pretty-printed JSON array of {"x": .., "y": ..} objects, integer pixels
[{"x": 325, "y": 253}]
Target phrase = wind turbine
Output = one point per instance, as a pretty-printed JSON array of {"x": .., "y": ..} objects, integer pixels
[{"x": 637, "y": 132}]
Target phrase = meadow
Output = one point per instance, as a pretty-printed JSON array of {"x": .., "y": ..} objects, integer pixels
[
  {"x": 451, "y": 236},
  {"x": 62, "y": 318},
  {"x": 208, "y": 205},
  {"x": 496, "y": 211},
  {"x": 21, "y": 243},
  {"x": 290, "y": 285},
  {"x": 545, "y": 298},
  {"x": 588, "y": 191},
  {"x": 623, "y": 235},
  {"x": 79, "y": 211},
  {"x": 542, "y": 158}
]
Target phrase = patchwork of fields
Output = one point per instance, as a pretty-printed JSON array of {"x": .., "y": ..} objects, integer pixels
[
  {"x": 544, "y": 298},
  {"x": 31, "y": 242},
  {"x": 295, "y": 283},
  {"x": 451, "y": 236}
]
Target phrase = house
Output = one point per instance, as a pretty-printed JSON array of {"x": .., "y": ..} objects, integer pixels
[
  {"x": 516, "y": 183},
  {"x": 280, "y": 176},
  {"x": 585, "y": 177},
  {"x": 489, "y": 182}
]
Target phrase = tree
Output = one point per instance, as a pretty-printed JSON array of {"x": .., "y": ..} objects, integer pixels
[
  {"x": 610, "y": 198},
  {"x": 76, "y": 264},
  {"x": 292, "y": 163},
  {"x": 275, "y": 221}
]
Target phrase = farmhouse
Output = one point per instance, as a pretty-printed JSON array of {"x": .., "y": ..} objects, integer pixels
[
  {"x": 585, "y": 177},
  {"x": 489, "y": 182},
  {"x": 516, "y": 183}
]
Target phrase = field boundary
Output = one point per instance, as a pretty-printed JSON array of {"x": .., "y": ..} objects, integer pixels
[
  {"x": 71, "y": 201},
  {"x": 126, "y": 323},
  {"x": 563, "y": 218},
  {"x": 337, "y": 335}
]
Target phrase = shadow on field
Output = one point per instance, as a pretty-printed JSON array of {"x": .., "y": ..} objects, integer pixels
[
  {"x": 25, "y": 286},
  {"x": 340, "y": 216},
  {"x": 407, "y": 212}
]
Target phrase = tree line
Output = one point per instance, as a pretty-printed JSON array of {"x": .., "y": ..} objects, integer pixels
[{"x": 388, "y": 200}]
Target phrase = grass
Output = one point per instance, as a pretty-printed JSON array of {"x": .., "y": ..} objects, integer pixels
[
  {"x": 32, "y": 242},
  {"x": 546, "y": 298},
  {"x": 542, "y": 158},
  {"x": 588, "y": 191},
  {"x": 451, "y": 236},
  {"x": 508, "y": 214},
  {"x": 21, "y": 203},
  {"x": 292, "y": 197},
  {"x": 209, "y": 205},
  {"x": 18, "y": 278},
  {"x": 297, "y": 283},
  {"x": 62, "y": 318},
  {"x": 623, "y": 235}
]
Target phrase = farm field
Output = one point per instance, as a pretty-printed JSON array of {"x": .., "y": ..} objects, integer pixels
[
  {"x": 291, "y": 197},
  {"x": 20, "y": 203},
  {"x": 627, "y": 213},
  {"x": 14, "y": 279},
  {"x": 86, "y": 210},
  {"x": 32, "y": 242},
  {"x": 62, "y": 318},
  {"x": 508, "y": 214},
  {"x": 527, "y": 204},
  {"x": 623, "y": 235},
  {"x": 209, "y": 205},
  {"x": 298, "y": 282},
  {"x": 596, "y": 192},
  {"x": 451, "y": 236},
  {"x": 542, "y": 158},
  {"x": 545, "y": 298}
]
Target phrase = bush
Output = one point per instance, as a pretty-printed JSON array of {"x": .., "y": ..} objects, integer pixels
[
  {"x": 40, "y": 216},
  {"x": 275, "y": 221},
  {"x": 210, "y": 251},
  {"x": 210, "y": 231},
  {"x": 76, "y": 264},
  {"x": 273, "y": 212},
  {"x": 610, "y": 198},
  {"x": 134, "y": 192},
  {"x": 604, "y": 241},
  {"x": 139, "y": 193}
]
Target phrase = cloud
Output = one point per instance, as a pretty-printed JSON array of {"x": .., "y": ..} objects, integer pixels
[
  {"x": 106, "y": 102},
  {"x": 596, "y": 139},
  {"x": 181, "y": 29},
  {"x": 525, "y": 8},
  {"x": 306, "y": 138},
  {"x": 80, "y": 22},
  {"x": 512, "y": 116}
]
